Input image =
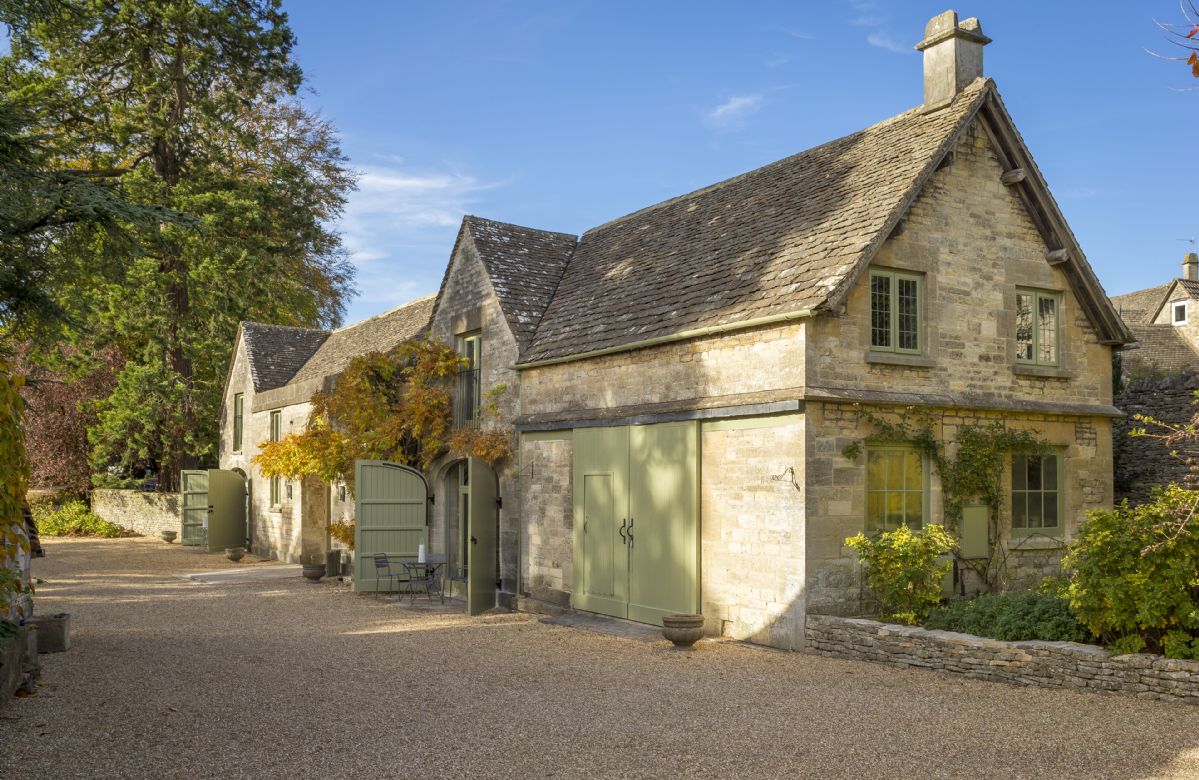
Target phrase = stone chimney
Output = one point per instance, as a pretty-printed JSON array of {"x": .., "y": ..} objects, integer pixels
[
  {"x": 953, "y": 56},
  {"x": 1190, "y": 266}
]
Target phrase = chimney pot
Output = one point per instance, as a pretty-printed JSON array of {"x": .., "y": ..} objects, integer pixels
[
  {"x": 1190, "y": 267},
  {"x": 953, "y": 56}
]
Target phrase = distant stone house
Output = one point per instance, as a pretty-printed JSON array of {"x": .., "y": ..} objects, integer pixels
[
  {"x": 274, "y": 373},
  {"x": 684, "y": 381},
  {"x": 1161, "y": 376}
]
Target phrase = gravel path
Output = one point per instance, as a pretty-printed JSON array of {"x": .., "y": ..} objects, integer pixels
[{"x": 281, "y": 678}]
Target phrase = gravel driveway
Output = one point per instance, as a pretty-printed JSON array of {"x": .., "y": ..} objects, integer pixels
[{"x": 281, "y": 678}]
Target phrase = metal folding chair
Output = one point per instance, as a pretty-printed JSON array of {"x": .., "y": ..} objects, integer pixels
[{"x": 383, "y": 571}]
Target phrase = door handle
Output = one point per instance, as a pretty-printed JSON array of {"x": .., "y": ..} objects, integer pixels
[
  {"x": 473, "y": 540},
  {"x": 621, "y": 531},
  {"x": 630, "y": 533}
]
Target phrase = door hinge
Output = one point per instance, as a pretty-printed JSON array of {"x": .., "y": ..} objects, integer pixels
[
  {"x": 499, "y": 501},
  {"x": 432, "y": 499}
]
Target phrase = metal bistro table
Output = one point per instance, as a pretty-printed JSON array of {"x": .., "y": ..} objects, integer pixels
[{"x": 424, "y": 578}]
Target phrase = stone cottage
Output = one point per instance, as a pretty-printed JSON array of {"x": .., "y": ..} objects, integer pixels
[
  {"x": 274, "y": 373},
  {"x": 684, "y": 383}
]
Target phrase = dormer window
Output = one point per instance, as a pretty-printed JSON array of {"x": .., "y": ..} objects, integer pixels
[{"x": 1178, "y": 313}]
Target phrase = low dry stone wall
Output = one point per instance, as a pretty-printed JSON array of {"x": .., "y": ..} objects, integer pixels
[
  {"x": 1038, "y": 664},
  {"x": 145, "y": 513}
]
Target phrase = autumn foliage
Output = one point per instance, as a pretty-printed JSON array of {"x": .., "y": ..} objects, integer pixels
[{"x": 393, "y": 406}]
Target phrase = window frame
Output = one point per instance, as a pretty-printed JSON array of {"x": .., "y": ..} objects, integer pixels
[
  {"x": 1037, "y": 296},
  {"x": 1060, "y": 488},
  {"x": 276, "y": 430},
  {"x": 894, "y": 278},
  {"x": 470, "y": 346},
  {"x": 925, "y": 503},
  {"x": 1174, "y": 312},
  {"x": 239, "y": 420}
]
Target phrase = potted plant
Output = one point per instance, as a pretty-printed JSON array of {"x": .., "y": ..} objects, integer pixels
[
  {"x": 235, "y": 554},
  {"x": 684, "y": 630},
  {"x": 313, "y": 571},
  {"x": 169, "y": 536}
]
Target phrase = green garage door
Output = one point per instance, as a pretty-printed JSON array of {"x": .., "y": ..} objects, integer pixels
[
  {"x": 213, "y": 509},
  {"x": 391, "y": 512},
  {"x": 636, "y": 507}
]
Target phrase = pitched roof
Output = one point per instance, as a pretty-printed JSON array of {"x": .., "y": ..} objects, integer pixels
[
  {"x": 525, "y": 266},
  {"x": 276, "y": 352},
  {"x": 1162, "y": 349},
  {"x": 1140, "y": 307},
  {"x": 377, "y": 334},
  {"x": 786, "y": 240},
  {"x": 1191, "y": 286}
]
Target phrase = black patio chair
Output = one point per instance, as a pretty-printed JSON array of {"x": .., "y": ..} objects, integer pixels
[{"x": 383, "y": 571}]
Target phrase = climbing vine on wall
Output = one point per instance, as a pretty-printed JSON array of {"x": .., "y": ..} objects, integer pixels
[
  {"x": 393, "y": 406},
  {"x": 970, "y": 471},
  {"x": 14, "y": 473}
]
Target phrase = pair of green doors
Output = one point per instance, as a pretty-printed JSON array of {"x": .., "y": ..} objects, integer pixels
[
  {"x": 391, "y": 517},
  {"x": 213, "y": 509},
  {"x": 635, "y": 520}
]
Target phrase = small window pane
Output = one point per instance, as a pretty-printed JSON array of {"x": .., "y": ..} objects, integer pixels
[
  {"x": 1049, "y": 515},
  {"x": 876, "y": 475},
  {"x": 1034, "y": 472},
  {"x": 1020, "y": 510},
  {"x": 1047, "y": 330},
  {"x": 914, "y": 471},
  {"x": 895, "y": 470},
  {"x": 1024, "y": 326},
  {"x": 895, "y": 509},
  {"x": 915, "y": 510},
  {"x": 909, "y": 314},
  {"x": 1034, "y": 510},
  {"x": 1180, "y": 312},
  {"x": 1019, "y": 472},
  {"x": 874, "y": 511},
  {"x": 880, "y": 311},
  {"x": 1049, "y": 469}
]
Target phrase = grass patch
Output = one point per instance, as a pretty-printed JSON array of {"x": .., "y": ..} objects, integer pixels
[{"x": 1012, "y": 617}]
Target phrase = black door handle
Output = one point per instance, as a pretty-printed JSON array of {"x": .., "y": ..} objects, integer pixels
[
  {"x": 630, "y": 533},
  {"x": 621, "y": 531},
  {"x": 473, "y": 540}
]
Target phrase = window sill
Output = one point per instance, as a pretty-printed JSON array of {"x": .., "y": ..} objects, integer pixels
[
  {"x": 899, "y": 359},
  {"x": 1045, "y": 372},
  {"x": 1036, "y": 540}
]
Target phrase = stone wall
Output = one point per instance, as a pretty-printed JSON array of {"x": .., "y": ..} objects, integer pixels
[
  {"x": 1142, "y": 462},
  {"x": 1036, "y": 664},
  {"x": 549, "y": 508},
  {"x": 752, "y": 529},
  {"x": 145, "y": 513}
]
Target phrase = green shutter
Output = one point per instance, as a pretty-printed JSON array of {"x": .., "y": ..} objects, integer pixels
[{"x": 390, "y": 517}]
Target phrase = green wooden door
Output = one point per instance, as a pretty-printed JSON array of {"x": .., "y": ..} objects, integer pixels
[
  {"x": 390, "y": 517},
  {"x": 484, "y": 522},
  {"x": 193, "y": 489},
  {"x": 226, "y": 510},
  {"x": 601, "y": 499},
  {"x": 663, "y": 548}
]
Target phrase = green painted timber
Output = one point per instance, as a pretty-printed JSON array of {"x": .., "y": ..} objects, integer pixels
[
  {"x": 601, "y": 500},
  {"x": 193, "y": 489},
  {"x": 226, "y": 510},
  {"x": 636, "y": 519},
  {"x": 484, "y": 526},
  {"x": 663, "y": 549},
  {"x": 390, "y": 516},
  {"x": 751, "y": 423},
  {"x": 975, "y": 532},
  {"x": 548, "y": 435}
]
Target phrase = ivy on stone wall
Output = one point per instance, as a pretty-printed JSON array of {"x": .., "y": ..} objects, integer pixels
[{"x": 14, "y": 474}]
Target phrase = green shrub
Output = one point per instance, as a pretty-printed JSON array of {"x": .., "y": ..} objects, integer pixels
[
  {"x": 903, "y": 570},
  {"x": 74, "y": 519},
  {"x": 1134, "y": 575},
  {"x": 1012, "y": 617}
]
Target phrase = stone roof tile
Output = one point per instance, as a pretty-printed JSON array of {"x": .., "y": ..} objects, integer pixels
[{"x": 276, "y": 352}]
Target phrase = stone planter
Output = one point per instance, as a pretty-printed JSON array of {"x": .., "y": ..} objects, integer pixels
[
  {"x": 235, "y": 554},
  {"x": 683, "y": 630},
  {"x": 53, "y": 632},
  {"x": 169, "y": 536},
  {"x": 314, "y": 571}
]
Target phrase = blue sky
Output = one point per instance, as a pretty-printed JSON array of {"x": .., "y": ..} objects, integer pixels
[{"x": 564, "y": 114}]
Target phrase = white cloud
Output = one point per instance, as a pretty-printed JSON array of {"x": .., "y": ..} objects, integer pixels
[
  {"x": 734, "y": 111},
  {"x": 866, "y": 13},
  {"x": 398, "y": 228},
  {"x": 803, "y": 36},
  {"x": 884, "y": 41}
]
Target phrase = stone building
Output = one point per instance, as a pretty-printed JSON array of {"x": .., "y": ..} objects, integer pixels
[
  {"x": 685, "y": 383},
  {"x": 274, "y": 373},
  {"x": 1165, "y": 321}
]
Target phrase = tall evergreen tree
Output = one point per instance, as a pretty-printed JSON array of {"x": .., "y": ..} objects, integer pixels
[{"x": 190, "y": 104}]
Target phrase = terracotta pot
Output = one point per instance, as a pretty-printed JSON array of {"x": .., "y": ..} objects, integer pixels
[
  {"x": 314, "y": 571},
  {"x": 683, "y": 630},
  {"x": 169, "y": 536},
  {"x": 235, "y": 554}
]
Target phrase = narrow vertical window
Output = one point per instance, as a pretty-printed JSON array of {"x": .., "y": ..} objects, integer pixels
[
  {"x": 894, "y": 488},
  {"x": 895, "y": 312},
  {"x": 1178, "y": 313},
  {"x": 1037, "y": 327},
  {"x": 276, "y": 484},
  {"x": 1036, "y": 494},
  {"x": 466, "y": 402},
  {"x": 238, "y": 401}
]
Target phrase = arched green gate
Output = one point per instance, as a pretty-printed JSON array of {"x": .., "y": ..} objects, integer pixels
[{"x": 391, "y": 516}]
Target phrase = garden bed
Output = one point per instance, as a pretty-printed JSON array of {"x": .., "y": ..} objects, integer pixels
[{"x": 1033, "y": 663}]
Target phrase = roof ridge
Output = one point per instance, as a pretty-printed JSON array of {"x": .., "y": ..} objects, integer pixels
[
  {"x": 753, "y": 171},
  {"x": 255, "y": 323},
  {"x": 468, "y": 218},
  {"x": 387, "y": 313}
]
